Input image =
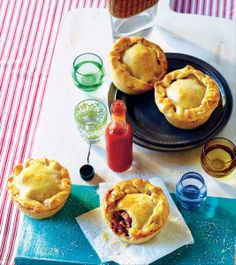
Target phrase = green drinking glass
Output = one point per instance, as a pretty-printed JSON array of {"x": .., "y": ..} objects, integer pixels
[
  {"x": 88, "y": 71},
  {"x": 91, "y": 116}
]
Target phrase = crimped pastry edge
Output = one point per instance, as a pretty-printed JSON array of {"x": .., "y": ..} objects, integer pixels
[
  {"x": 119, "y": 73},
  {"x": 187, "y": 118},
  {"x": 111, "y": 198},
  {"x": 33, "y": 208}
]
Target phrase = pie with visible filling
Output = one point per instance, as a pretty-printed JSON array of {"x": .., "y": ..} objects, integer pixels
[
  {"x": 135, "y": 210},
  {"x": 136, "y": 64},
  {"x": 187, "y": 97},
  {"x": 39, "y": 187}
]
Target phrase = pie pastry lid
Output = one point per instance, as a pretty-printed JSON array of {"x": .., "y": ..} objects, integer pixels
[{"x": 124, "y": 9}]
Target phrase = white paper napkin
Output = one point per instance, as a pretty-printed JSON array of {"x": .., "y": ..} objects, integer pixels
[{"x": 173, "y": 235}]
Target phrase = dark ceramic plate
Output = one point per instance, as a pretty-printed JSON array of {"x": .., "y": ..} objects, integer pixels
[{"x": 150, "y": 128}]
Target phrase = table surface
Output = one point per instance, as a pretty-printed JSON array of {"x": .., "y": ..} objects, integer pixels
[
  {"x": 29, "y": 31},
  {"x": 58, "y": 137}
]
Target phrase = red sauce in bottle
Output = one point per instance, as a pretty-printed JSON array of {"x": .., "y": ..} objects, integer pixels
[{"x": 119, "y": 140}]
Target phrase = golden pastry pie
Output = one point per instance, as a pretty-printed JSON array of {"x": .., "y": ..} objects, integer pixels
[
  {"x": 135, "y": 210},
  {"x": 136, "y": 64},
  {"x": 39, "y": 187},
  {"x": 187, "y": 97}
]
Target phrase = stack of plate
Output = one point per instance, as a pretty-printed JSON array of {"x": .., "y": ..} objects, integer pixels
[{"x": 150, "y": 128}]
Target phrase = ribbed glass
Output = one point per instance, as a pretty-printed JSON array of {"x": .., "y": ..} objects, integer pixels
[{"x": 191, "y": 190}]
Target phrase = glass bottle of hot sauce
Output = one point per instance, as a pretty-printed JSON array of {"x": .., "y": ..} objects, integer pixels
[{"x": 119, "y": 140}]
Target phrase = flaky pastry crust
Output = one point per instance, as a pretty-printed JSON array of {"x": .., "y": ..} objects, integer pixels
[
  {"x": 177, "y": 115},
  {"x": 39, "y": 187},
  {"x": 122, "y": 78},
  {"x": 146, "y": 205}
]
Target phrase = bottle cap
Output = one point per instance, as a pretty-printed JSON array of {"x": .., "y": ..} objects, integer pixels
[{"x": 86, "y": 172}]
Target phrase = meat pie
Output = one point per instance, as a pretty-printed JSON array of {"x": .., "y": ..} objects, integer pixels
[{"x": 135, "y": 210}]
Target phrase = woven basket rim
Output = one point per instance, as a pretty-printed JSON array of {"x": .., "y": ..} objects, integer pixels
[{"x": 124, "y": 9}]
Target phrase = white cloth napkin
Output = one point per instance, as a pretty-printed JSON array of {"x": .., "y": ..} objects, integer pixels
[{"x": 173, "y": 235}]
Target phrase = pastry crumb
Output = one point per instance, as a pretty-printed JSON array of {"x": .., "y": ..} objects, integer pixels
[
  {"x": 105, "y": 236},
  {"x": 115, "y": 242},
  {"x": 126, "y": 245}
]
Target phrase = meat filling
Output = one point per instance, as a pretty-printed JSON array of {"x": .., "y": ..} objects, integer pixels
[{"x": 121, "y": 222}]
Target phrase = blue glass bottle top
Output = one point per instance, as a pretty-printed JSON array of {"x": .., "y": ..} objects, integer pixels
[{"x": 191, "y": 190}]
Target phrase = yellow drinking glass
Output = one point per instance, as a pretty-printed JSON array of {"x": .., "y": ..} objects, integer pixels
[{"x": 218, "y": 157}]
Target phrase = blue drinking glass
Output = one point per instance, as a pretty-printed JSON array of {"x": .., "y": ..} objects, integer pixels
[{"x": 191, "y": 190}]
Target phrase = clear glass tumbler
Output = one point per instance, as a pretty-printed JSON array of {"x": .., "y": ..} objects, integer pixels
[
  {"x": 91, "y": 116},
  {"x": 140, "y": 24},
  {"x": 88, "y": 71},
  {"x": 218, "y": 157}
]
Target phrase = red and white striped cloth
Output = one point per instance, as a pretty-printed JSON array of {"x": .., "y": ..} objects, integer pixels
[
  {"x": 216, "y": 8},
  {"x": 28, "y": 33}
]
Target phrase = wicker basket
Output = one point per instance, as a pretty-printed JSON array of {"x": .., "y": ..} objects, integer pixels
[{"x": 128, "y": 8}]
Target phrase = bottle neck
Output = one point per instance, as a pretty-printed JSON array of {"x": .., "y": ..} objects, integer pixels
[
  {"x": 121, "y": 119},
  {"x": 118, "y": 112}
]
